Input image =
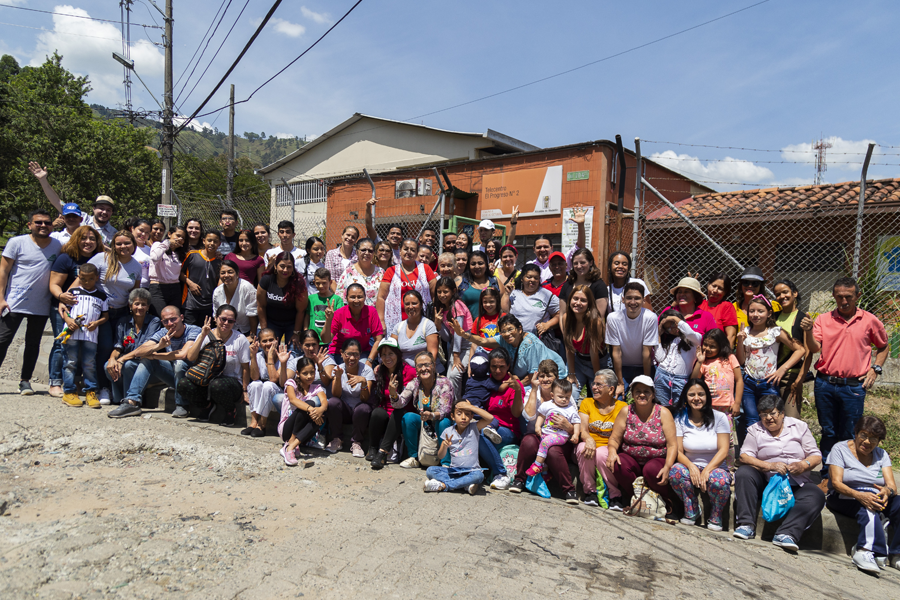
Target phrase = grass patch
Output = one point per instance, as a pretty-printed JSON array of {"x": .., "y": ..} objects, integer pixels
[{"x": 883, "y": 403}]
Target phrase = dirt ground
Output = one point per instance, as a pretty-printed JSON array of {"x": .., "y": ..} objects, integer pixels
[{"x": 158, "y": 508}]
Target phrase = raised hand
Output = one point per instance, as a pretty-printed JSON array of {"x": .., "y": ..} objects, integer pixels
[
  {"x": 207, "y": 323},
  {"x": 515, "y": 215},
  {"x": 322, "y": 355},
  {"x": 578, "y": 215},
  {"x": 329, "y": 311},
  {"x": 438, "y": 317},
  {"x": 701, "y": 355},
  {"x": 457, "y": 328},
  {"x": 806, "y": 324},
  {"x": 283, "y": 353},
  {"x": 254, "y": 347},
  {"x": 394, "y": 384},
  {"x": 37, "y": 170}
]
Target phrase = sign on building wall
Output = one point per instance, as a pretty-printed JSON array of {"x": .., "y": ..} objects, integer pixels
[
  {"x": 536, "y": 192},
  {"x": 889, "y": 262},
  {"x": 570, "y": 230}
]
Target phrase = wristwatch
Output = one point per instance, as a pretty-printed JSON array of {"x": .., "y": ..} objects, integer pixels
[{"x": 878, "y": 370}]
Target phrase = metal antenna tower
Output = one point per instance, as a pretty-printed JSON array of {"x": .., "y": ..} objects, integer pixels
[
  {"x": 125, "y": 11},
  {"x": 820, "y": 147}
]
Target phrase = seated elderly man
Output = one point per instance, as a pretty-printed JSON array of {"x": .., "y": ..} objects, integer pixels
[
  {"x": 163, "y": 357},
  {"x": 777, "y": 444}
]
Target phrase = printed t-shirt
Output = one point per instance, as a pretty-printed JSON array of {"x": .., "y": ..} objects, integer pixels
[
  {"x": 528, "y": 356},
  {"x": 118, "y": 288},
  {"x": 90, "y": 306},
  {"x": 486, "y": 326},
  {"x": 407, "y": 282},
  {"x": 410, "y": 346},
  {"x": 277, "y": 310},
  {"x": 500, "y": 406},
  {"x": 701, "y": 443},
  {"x": 28, "y": 286},
  {"x": 856, "y": 475},
  {"x": 719, "y": 376},
  {"x": 742, "y": 314},
  {"x": 463, "y": 447},
  {"x": 177, "y": 343},
  {"x": 237, "y": 352},
  {"x": 568, "y": 412},
  {"x": 533, "y": 309},
  {"x": 317, "y": 310},
  {"x": 364, "y": 330},
  {"x": 723, "y": 313},
  {"x": 228, "y": 243},
  {"x": 204, "y": 273},
  {"x": 600, "y": 426},
  {"x": 247, "y": 269},
  {"x": 297, "y": 253},
  {"x": 631, "y": 335}
]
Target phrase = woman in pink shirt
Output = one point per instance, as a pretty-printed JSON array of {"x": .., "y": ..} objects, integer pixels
[
  {"x": 687, "y": 297},
  {"x": 355, "y": 320}
]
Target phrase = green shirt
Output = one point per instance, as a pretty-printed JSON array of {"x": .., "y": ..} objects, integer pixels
[{"x": 317, "y": 310}]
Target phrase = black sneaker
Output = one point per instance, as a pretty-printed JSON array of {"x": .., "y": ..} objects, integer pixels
[
  {"x": 591, "y": 500},
  {"x": 229, "y": 418},
  {"x": 571, "y": 497},
  {"x": 517, "y": 487},
  {"x": 126, "y": 409},
  {"x": 372, "y": 453},
  {"x": 206, "y": 413},
  {"x": 615, "y": 504},
  {"x": 247, "y": 430},
  {"x": 25, "y": 388},
  {"x": 379, "y": 460},
  {"x": 258, "y": 432}
]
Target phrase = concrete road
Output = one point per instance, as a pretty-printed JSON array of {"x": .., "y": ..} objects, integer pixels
[{"x": 159, "y": 508}]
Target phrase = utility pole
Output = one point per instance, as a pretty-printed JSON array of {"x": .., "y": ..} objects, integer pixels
[
  {"x": 229, "y": 193},
  {"x": 168, "y": 143}
]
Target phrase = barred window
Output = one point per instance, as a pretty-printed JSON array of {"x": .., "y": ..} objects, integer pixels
[{"x": 305, "y": 192}]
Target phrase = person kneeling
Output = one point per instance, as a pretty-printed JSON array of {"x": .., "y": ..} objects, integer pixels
[{"x": 461, "y": 441}]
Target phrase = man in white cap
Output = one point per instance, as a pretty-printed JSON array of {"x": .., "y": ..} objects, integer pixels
[
  {"x": 104, "y": 207},
  {"x": 486, "y": 231}
]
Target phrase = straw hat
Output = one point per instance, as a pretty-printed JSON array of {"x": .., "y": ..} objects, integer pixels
[{"x": 689, "y": 283}]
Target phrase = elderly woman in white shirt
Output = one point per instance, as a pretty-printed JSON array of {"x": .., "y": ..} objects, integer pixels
[{"x": 784, "y": 445}]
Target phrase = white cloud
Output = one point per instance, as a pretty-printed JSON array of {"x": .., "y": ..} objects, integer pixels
[
  {"x": 178, "y": 120},
  {"x": 87, "y": 47},
  {"x": 844, "y": 154},
  {"x": 739, "y": 172},
  {"x": 314, "y": 16},
  {"x": 287, "y": 28},
  {"x": 284, "y": 136}
]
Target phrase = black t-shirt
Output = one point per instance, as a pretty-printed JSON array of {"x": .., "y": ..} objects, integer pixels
[
  {"x": 229, "y": 243},
  {"x": 277, "y": 309},
  {"x": 598, "y": 288},
  {"x": 204, "y": 273},
  {"x": 65, "y": 264}
]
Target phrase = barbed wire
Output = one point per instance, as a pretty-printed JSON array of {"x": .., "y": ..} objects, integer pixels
[{"x": 768, "y": 149}]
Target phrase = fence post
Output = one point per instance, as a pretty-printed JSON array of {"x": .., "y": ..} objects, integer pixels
[
  {"x": 293, "y": 202},
  {"x": 371, "y": 185},
  {"x": 443, "y": 196},
  {"x": 178, "y": 213},
  {"x": 637, "y": 207},
  {"x": 859, "y": 212}
]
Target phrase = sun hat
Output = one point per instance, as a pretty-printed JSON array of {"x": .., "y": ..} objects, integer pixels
[
  {"x": 486, "y": 224},
  {"x": 104, "y": 200},
  {"x": 689, "y": 283}
]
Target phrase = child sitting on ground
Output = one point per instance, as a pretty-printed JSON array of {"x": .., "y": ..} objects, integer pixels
[
  {"x": 461, "y": 441},
  {"x": 562, "y": 406},
  {"x": 82, "y": 320}
]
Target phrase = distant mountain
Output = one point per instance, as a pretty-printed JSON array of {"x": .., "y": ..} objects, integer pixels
[{"x": 209, "y": 143}]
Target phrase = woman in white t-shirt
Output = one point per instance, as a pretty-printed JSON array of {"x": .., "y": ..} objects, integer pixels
[
  {"x": 227, "y": 390},
  {"x": 703, "y": 436},
  {"x": 619, "y": 269},
  {"x": 416, "y": 333},
  {"x": 140, "y": 229}
]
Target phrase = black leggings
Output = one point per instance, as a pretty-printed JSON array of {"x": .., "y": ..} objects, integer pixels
[
  {"x": 378, "y": 424},
  {"x": 165, "y": 294},
  {"x": 9, "y": 325},
  {"x": 299, "y": 425},
  {"x": 394, "y": 428},
  {"x": 224, "y": 392}
]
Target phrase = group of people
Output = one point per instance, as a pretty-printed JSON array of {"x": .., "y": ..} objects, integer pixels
[{"x": 466, "y": 362}]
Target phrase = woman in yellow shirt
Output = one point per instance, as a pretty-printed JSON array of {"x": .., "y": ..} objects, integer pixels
[{"x": 599, "y": 414}]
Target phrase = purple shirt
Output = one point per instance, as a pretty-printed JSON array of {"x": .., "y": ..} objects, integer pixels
[{"x": 794, "y": 444}]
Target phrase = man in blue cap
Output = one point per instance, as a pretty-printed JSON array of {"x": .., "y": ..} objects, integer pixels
[
  {"x": 103, "y": 206},
  {"x": 71, "y": 215}
]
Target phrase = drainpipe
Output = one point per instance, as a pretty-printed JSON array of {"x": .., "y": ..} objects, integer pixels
[{"x": 637, "y": 207}]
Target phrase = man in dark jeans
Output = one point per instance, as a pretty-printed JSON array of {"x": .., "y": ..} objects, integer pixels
[
  {"x": 845, "y": 370},
  {"x": 25, "y": 290}
]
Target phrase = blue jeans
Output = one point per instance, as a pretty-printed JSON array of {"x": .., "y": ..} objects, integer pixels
[
  {"x": 838, "y": 408},
  {"x": 455, "y": 478},
  {"x": 106, "y": 342},
  {"x": 629, "y": 373},
  {"x": 81, "y": 355},
  {"x": 411, "y": 425},
  {"x": 168, "y": 372},
  {"x": 489, "y": 453},
  {"x": 119, "y": 388},
  {"x": 58, "y": 352},
  {"x": 754, "y": 389},
  {"x": 668, "y": 387}
]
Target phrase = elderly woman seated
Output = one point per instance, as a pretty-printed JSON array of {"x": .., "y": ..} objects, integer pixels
[
  {"x": 861, "y": 484},
  {"x": 777, "y": 444}
]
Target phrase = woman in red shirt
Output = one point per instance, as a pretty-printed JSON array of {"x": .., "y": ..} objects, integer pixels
[
  {"x": 718, "y": 287},
  {"x": 397, "y": 280}
]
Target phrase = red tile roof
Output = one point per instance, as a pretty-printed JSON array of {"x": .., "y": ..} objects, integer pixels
[{"x": 771, "y": 202}]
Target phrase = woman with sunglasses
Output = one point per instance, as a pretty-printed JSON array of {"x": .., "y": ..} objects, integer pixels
[{"x": 751, "y": 282}]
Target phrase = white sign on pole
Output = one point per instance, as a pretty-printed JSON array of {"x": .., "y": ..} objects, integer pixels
[
  {"x": 166, "y": 210},
  {"x": 570, "y": 230}
]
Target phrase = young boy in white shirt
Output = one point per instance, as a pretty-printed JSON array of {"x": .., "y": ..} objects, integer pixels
[{"x": 82, "y": 321}]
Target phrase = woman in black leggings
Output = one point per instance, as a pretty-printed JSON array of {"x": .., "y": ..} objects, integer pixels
[{"x": 307, "y": 399}]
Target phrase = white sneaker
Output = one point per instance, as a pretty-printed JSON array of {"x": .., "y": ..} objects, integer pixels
[
  {"x": 357, "y": 451},
  {"x": 104, "y": 397},
  {"x": 865, "y": 561},
  {"x": 894, "y": 561},
  {"x": 395, "y": 454},
  {"x": 713, "y": 527},
  {"x": 491, "y": 434},
  {"x": 413, "y": 463},
  {"x": 500, "y": 482},
  {"x": 881, "y": 561},
  {"x": 473, "y": 488},
  {"x": 433, "y": 485}
]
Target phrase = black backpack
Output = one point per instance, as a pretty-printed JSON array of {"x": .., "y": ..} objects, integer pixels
[{"x": 209, "y": 365}]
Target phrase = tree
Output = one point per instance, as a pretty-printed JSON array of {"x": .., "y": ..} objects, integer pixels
[
  {"x": 47, "y": 120},
  {"x": 8, "y": 68}
]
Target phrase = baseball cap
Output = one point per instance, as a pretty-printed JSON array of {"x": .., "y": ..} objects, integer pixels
[
  {"x": 388, "y": 343},
  {"x": 104, "y": 200},
  {"x": 557, "y": 254},
  {"x": 486, "y": 224},
  {"x": 480, "y": 367},
  {"x": 642, "y": 379},
  {"x": 71, "y": 209}
]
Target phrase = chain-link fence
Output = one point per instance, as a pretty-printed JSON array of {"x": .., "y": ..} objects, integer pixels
[{"x": 806, "y": 234}]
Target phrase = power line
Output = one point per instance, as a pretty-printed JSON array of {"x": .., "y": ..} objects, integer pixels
[
  {"x": 234, "y": 64},
  {"x": 97, "y": 37},
  {"x": 50, "y": 12},
  {"x": 197, "y": 49},
  {"x": 767, "y": 162},
  {"x": 266, "y": 82},
  {"x": 205, "y": 48}
]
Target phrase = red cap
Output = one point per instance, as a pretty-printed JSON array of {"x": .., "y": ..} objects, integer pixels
[{"x": 557, "y": 254}]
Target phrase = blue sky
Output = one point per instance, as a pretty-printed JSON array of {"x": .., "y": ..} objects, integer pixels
[{"x": 774, "y": 77}]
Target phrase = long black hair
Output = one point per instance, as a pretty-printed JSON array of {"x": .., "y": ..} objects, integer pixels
[
  {"x": 681, "y": 409},
  {"x": 666, "y": 338},
  {"x": 609, "y": 271},
  {"x": 310, "y": 241},
  {"x": 383, "y": 374}
]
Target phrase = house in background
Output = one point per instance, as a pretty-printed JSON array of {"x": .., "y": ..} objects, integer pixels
[{"x": 372, "y": 143}]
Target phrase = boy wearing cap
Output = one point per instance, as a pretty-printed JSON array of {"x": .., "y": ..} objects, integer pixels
[
  {"x": 104, "y": 207},
  {"x": 71, "y": 215},
  {"x": 486, "y": 231}
]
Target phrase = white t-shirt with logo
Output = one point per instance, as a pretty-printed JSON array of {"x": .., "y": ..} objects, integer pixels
[
  {"x": 28, "y": 286},
  {"x": 90, "y": 306},
  {"x": 118, "y": 287},
  {"x": 533, "y": 309},
  {"x": 410, "y": 346}
]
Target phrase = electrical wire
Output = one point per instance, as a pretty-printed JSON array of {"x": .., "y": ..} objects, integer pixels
[
  {"x": 50, "y": 12},
  {"x": 205, "y": 48},
  {"x": 96, "y": 37},
  {"x": 766, "y": 149},
  {"x": 197, "y": 49}
]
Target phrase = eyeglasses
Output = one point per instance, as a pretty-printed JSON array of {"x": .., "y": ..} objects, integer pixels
[
  {"x": 754, "y": 284},
  {"x": 865, "y": 437},
  {"x": 226, "y": 320},
  {"x": 170, "y": 320},
  {"x": 598, "y": 384},
  {"x": 771, "y": 415},
  {"x": 425, "y": 366}
]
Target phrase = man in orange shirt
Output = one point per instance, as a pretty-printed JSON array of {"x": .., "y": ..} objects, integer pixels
[{"x": 845, "y": 370}]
